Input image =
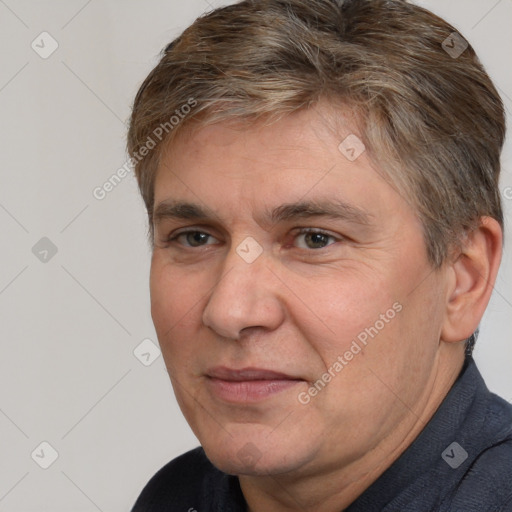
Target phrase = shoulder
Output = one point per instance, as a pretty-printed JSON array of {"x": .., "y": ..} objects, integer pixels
[
  {"x": 488, "y": 480},
  {"x": 487, "y": 485},
  {"x": 182, "y": 484}
]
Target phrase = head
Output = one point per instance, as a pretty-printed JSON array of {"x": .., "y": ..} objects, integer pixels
[{"x": 270, "y": 119}]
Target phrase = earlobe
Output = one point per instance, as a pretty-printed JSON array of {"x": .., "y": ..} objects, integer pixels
[{"x": 474, "y": 273}]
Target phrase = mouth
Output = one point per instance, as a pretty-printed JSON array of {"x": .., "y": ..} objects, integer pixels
[{"x": 248, "y": 384}]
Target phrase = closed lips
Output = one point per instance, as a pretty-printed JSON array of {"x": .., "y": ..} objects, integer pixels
[{"x": 247, "y": 374}]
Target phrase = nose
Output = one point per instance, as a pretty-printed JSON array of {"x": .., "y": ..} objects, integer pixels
[{"x": 245, "y": 296}]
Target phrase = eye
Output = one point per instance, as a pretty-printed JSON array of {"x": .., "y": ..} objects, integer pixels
[
  {"x": 314, "y": 239},
  {"x": 193, "y": 238}
]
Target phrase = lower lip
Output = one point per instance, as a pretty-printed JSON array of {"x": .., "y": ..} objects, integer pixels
[{"x": 248, "y": 390}]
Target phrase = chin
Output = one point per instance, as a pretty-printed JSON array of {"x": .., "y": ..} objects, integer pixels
[{"x": 250, "y": 455}]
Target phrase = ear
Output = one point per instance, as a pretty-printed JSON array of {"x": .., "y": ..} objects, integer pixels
[{"x": 473, "y": 274}]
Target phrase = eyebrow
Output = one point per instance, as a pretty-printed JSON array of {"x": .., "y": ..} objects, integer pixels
[
  {"x": 171, "y": 209},
  {"x": 334, "y": 209}
]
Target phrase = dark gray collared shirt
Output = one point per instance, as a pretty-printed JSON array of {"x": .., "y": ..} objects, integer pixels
[{"x": 460, "y": 462}]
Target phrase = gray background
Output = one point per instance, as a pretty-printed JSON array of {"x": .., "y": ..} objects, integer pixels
[{"x": 70, "y": 321}]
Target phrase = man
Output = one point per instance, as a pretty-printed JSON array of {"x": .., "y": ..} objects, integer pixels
[{"x": 321, "y": 178}]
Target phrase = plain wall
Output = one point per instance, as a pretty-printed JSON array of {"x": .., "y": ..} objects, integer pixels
[{"x": 69, "y": 324}]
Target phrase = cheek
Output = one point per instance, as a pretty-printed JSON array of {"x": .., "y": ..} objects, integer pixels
[
  {"x": 175, "y": 305},
  {"x": 343, "y": 306}
]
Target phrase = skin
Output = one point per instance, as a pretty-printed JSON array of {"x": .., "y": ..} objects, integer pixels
[{"x": 300, "y": 305}]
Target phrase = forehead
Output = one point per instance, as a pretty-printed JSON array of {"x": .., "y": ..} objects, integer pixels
[
  {"x": 309, "y": 155},
  {"x": 320, "y": 127}
]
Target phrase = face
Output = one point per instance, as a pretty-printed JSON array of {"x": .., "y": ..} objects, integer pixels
[{"x": 297, "y": 313}]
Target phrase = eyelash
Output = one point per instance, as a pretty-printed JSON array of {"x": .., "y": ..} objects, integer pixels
[{"x": 302, "y": 231}]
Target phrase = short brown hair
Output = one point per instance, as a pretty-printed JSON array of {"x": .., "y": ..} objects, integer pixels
[{"x": 431, "y": 119}]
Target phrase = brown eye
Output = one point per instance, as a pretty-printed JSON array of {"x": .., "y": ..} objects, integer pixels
[
  {"x": 193, "y": 238},
  {"x": 314, "y": 239}
]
